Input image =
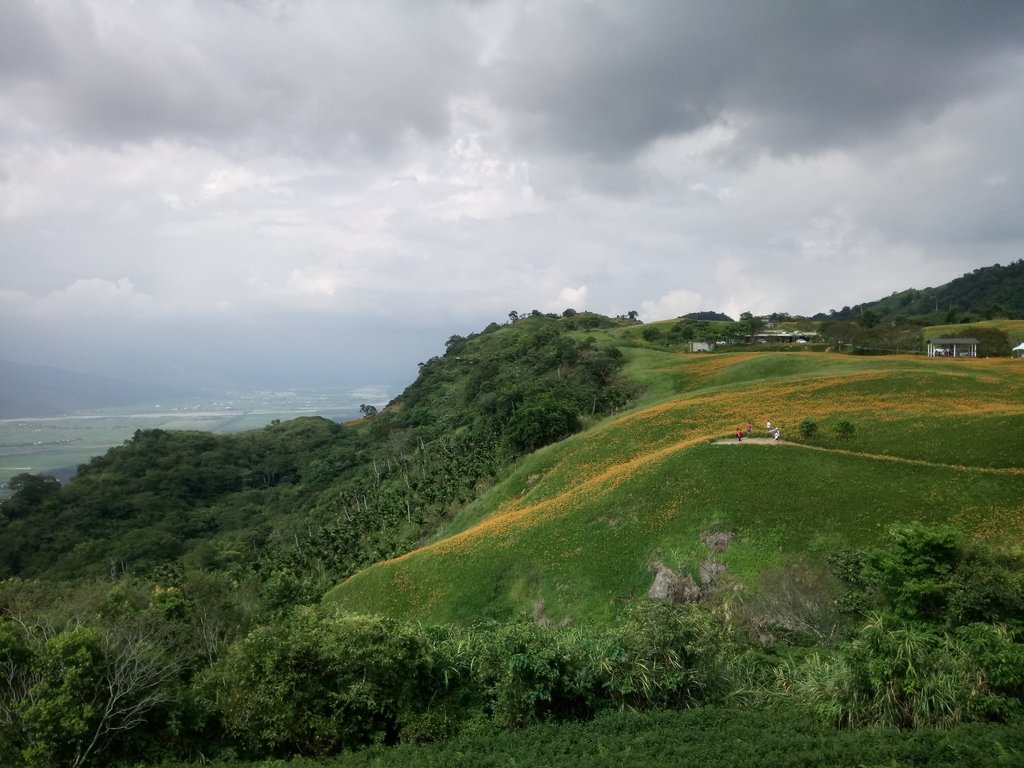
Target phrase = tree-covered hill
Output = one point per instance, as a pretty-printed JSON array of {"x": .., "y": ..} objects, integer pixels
[
  {"x": 984, "y": 294},
  {"x": 310, "y": 495}
]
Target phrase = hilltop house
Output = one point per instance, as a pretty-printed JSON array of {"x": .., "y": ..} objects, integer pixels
[{"x": 952, "y": 347}]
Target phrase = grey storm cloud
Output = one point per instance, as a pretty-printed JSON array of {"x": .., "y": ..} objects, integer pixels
[
  {"x": 607, "y": 77},
  {"x": 599, "y": 77},
  {"x": 303, "y": 76},
  {"x": 266, "y": 182}
]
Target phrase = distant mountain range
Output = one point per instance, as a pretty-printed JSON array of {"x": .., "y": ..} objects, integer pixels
[{"x": 34, "y": 391}]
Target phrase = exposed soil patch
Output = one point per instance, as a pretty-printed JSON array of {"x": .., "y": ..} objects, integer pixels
[
  {"x": 716, "y": 541},
  {"x": 540, "y": 616},
  {"x": 668, "y": 585},
  {"x": 709, "y": 569}
]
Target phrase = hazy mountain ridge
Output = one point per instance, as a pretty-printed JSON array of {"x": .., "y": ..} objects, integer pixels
[{"x": 34, "y": 391}]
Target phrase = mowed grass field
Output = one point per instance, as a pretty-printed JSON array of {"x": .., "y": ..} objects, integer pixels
[{"x": 579, "y": 526}]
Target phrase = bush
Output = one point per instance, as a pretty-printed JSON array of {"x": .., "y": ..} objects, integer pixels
[
  {"x": 914, "y": 570},
  {"x": 650, "y": 333},
  {"x": 544, "y": 420},
  {"x": 909, "y": 676},
  {"x": 844, "y": 429},
  {"x": 808, "y": 428},
  {"x": 321, "y": 682}
]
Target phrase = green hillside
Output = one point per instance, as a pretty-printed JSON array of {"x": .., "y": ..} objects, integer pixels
[{"x": 579, "y": 529}]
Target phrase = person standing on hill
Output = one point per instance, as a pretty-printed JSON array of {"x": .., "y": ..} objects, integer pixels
[
  {"x": 778, "y": 433},
  {"x": 739, "y": 434},
  {"x": 768, "y": 427}
]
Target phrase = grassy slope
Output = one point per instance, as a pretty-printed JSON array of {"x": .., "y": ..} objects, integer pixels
[
  {"x": 579, "y": 524},
  {"x": 1012, "y": 328}
]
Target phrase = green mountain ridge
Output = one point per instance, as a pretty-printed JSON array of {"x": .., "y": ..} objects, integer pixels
[{"x": 986, "y": 292}]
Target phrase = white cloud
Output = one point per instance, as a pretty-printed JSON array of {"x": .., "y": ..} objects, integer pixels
[
  {"x": 570, "y": 298},
  {"x": 313, "y": 282},
  {"x": 97, "y": 296},
  {"x": 672, "y": 304}
]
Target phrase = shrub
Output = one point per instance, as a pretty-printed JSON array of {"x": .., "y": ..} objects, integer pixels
[
  {"x": 844, "y": 429},
  {"x": 795, "y": 603},
  {"x": 668, "y": 657},
  {"x": 321, "y": 682},
  {"x": 808, "y": 428},
  {"x": 650, "y": 333},
  {"x": 543, "y": 420},
  {"x": 914, "y": 570},
  {"x": 529, "y": 675}
]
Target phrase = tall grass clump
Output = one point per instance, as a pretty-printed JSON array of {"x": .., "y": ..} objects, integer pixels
[{"x": 897, "y": 676}]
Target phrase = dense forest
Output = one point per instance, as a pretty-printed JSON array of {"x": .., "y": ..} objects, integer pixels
[{"x": 165, "y": 603}]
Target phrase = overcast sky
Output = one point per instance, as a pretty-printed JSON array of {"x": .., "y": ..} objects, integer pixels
[{"x": 300, "y": 193}]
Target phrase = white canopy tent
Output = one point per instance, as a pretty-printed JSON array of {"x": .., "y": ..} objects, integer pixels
[{"x": 1018, "y": 351}]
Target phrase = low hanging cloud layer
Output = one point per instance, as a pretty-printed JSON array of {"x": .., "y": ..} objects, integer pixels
[{"x": 317, "y": 192}]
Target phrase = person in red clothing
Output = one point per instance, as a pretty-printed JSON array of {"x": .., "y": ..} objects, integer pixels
[{"x": 739, "y": 434}]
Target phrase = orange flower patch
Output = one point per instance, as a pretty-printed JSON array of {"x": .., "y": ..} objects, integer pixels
[{"x": 997, "y": 524}]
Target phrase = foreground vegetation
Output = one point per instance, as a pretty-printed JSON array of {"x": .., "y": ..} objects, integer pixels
[
  {"x": 922, "y": 632},
  {"x": 708, "y": 737}
]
